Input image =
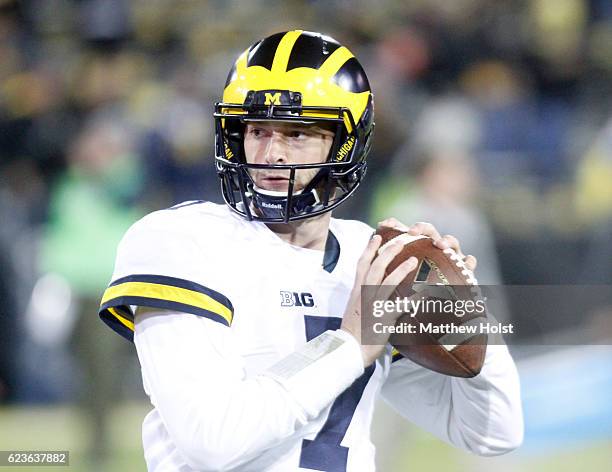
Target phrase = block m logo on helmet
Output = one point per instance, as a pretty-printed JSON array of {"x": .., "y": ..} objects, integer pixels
[{"x": 273, "y": 98}]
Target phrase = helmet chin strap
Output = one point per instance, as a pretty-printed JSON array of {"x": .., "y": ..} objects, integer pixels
[{"x": 271, "y": 204}]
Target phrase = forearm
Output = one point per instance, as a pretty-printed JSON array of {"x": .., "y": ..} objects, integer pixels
[
  {"x": 219, "y": 418},
  {"x": 487, "y": 412},
  {"x": 482, "y": 414}
]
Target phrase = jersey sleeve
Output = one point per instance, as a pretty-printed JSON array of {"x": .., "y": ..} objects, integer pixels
[
  {"x": 218, "y": 417},
  {"x": 481, "y": 414},
  {"x": 159, "y": 265}
]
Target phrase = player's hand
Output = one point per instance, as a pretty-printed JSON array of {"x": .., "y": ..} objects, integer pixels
[
  {"x": 371, "y": 271},
  {"x": 427, "y": 229}
]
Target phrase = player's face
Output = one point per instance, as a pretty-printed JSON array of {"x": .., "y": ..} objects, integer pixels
[{"x": 285, "y": 143}]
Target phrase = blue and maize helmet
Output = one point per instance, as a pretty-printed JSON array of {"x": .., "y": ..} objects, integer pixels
[{"x": 295, "y": 76}]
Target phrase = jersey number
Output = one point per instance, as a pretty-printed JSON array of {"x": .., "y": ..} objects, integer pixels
[{"x": 324, "y": 452}]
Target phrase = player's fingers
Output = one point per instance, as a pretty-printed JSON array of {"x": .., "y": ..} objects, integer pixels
[
  {"x": 470, "y": 262},
  {"x": 384, "y": 258},
  {"x": 401, "y": 271},
  {"x": 368, "y": 255},
  {"x": 425, "y": 229},
  {"x": 386, "y": 290},
  {"x": 393, "y": 223},
  {"x": 389, "y": 285},
  {"x": 449, "y": 241},
  {"x": 389, "y": 222}
]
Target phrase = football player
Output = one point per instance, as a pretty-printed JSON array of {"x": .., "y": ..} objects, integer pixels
[{"x": 246, "y": 316}]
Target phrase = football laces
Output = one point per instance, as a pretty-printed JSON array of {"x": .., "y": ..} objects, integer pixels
[{"x": 460, "y": 263}]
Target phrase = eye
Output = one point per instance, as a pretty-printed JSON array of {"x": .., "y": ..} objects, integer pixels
[
  {"x": 255, "y": 132},
  {"x": 300, "y": 134}
]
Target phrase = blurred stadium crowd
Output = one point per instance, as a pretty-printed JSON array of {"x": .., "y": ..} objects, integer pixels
[{"x": 493, "y": 121}]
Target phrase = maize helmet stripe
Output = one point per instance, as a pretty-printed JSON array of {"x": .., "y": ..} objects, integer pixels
[
  {"x": 328, "y": 91},
  {"x": 336, "y": 61},
  {"x": 283, "y": 51}
]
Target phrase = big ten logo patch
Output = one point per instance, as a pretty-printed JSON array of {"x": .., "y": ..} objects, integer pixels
[{"x": 304, "y": 299}]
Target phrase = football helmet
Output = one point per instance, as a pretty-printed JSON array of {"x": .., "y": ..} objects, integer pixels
[{"x": 294, "y": 76}]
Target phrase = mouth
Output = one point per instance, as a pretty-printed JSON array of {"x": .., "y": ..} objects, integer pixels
[{"x": 273, "y": 182}]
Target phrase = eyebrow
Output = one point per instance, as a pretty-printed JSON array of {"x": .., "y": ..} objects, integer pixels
[{"x": 296, "y": 127}]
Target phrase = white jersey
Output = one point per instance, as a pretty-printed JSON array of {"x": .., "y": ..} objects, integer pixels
[{"x": 238, "y": 337}]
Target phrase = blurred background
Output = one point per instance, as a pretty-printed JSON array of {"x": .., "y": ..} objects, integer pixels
[{"x": 493, "y": 121}]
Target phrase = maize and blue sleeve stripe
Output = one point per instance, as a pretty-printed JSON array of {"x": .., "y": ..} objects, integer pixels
[{"x": 163, "y": 292}]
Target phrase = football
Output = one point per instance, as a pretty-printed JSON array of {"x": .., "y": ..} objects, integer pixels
[{"x": 436, "y": 341}]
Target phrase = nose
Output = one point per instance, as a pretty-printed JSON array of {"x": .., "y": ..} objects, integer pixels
[{"x": 276, "y": 150}]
